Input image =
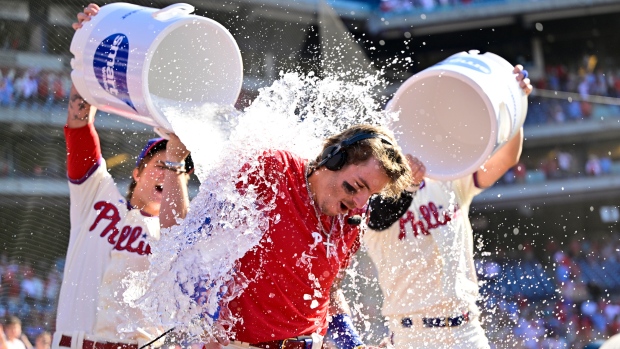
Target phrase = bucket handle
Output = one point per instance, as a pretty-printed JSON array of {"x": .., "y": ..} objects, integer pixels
[{"x": 172, "y": 11}]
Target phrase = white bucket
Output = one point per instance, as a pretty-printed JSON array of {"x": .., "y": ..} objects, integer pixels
[
  {"x": 128, "y": 58},
  {"x": 457, "y": 113}
]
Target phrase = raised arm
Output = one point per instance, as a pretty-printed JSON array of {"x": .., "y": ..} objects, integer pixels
[
  {"x": 175, "y": 197},
  {"x": 83, "y": 148},
  {"x": 80, "y": 112},
  {"x": 508, "y": 156},
  {"x": 500, "y": 162}
]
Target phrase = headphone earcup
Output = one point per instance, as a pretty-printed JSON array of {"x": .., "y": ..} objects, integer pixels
[
  {"x": 328, "y": 152},
  {"x": 332, "y": 158},
  {"x": 337, "y": 160},
  {"x": 335, "y": 156}
]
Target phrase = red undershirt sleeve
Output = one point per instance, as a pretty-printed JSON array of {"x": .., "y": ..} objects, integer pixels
[{"x": 83, "y": 151}]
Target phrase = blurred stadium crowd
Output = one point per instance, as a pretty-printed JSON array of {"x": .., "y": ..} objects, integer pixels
[
  {"x": 429, "y": 5},
  {"x": 564, "y": 300},
  {"x": 33, "y": 88},
  {"x": 30, "y": 296}
]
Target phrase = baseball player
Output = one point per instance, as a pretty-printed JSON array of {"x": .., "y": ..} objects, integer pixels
[
  {"x": 293, "y": 271},
  {"x": 111, "y": 233},
  {"x": 422, "y": 246}
]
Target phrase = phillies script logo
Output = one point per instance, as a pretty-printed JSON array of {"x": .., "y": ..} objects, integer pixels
[
  {"x": 124, "y": 239},
  {"x": 431, "y": 218},
  {"x": 468, "y": 62},
  {"x": 110, "y": 65}
]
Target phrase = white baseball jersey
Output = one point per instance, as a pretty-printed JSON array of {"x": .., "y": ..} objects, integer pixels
[
  {"x": 108, "y": 241},
  {"x": 425, "y": 260},
  {"x": 15, "y": 344}
]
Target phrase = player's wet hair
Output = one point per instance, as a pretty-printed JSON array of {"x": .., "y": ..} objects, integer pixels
[
  {"x": 12, "y": 320},
  {"x": 390, "y": 156}
]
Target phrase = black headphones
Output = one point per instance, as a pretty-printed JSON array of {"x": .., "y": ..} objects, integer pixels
[{"x": 335, "y": 156}]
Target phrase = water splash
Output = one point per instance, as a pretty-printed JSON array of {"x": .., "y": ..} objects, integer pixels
[{"x": 192, "y": 266}]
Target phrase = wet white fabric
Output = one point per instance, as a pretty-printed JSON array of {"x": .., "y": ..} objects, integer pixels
[
  {"x": 425, "y": 260},
  {"x": 104, "y": 248}
]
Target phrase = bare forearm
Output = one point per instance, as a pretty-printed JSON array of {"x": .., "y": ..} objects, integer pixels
[
  {"x": 512, "y": 150},
  {"x": 501, "y": 161},
  {"x": 175, "y": 198},
  {"x": 338, "y": 303},
  {"x": 175, "y": 202},
  {"x": 80, "y": 113}
]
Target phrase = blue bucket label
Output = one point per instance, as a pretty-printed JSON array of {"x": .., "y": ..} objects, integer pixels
[
  {"x": 110, "y": 65},
  {"x": 468, "y": 62}
]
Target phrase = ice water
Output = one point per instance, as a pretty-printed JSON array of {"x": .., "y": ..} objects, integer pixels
[{"x": 296, "y": 114}]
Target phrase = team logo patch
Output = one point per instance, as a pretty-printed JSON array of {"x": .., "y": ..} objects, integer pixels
[
  {"x": 468, "y": 62},
  {"x": 110, "y": 65}
]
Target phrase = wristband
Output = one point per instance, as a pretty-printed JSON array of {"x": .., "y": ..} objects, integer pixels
[
  {"x": 525, "y": 74},
  {"x": 178, "y": 167},
  {"x": 343, "y": 333}
]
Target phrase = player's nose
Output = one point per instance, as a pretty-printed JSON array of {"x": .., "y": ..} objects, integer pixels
[{"x": 360, "y": 199}]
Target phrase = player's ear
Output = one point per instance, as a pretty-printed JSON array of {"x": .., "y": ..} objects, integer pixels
[{"x": 135, "y": 174}]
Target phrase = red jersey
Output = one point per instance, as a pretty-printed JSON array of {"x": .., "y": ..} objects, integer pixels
[{"x": 291, "y": 275}]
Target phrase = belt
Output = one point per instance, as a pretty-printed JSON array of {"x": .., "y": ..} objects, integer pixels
[
  {"x": 301, "y": 342},
  {"x": 65, "y": 341},
  {"x": 438, "y": 321}
]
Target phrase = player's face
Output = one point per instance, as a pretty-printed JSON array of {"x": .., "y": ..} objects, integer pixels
[
  {"x": 13, "y": 331},
  {"x": 148, "y": 192},
  {"x": 42, "y": 342},
  {"x": 350, "y": 187}
]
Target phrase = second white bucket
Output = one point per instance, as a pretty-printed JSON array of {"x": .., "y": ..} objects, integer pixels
[
  {"x": 130, "y": 58},
  {"x": 457, "y": 113}
]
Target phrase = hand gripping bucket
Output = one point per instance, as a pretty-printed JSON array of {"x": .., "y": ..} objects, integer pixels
[
  {"x": 457, "y": 113},
  {"x": 130, "y": 59}
]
